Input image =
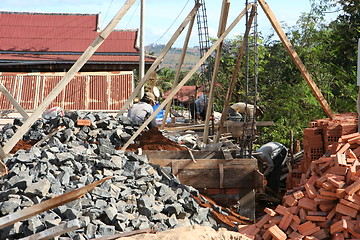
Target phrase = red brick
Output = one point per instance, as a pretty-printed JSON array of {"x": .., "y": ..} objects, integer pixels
[
  {"x": 338, "y": 226},
  {"x": 281, "y": 209},
  {"x": 310, "y": 190},
  {"x": 340, "y": 193},
  {"x": 290, "y": 201},
  {"x": 307, "y": 204},
  {"x": 350, "y": 204},
  {"x": 270, "y": 211},
  {"x": 298, "y": 195},
  {"x": 285, "y": 221},
  {"x": 353, "y": 187},
  {"x": 263, "y": 221},
  {"x": 277, "y": 233},
  {"x": 315, "y": 218},
  {"x": 295, "y": 236},
  {"x": 340, "y": 208},
  {"x": 338, "y": 170},
  {"x": 303, "y": 228},
  {"x": 83, "y": 122},
  {"x": 338, "y": 236}
]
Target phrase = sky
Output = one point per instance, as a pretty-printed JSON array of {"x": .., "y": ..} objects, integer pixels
[{"x": 163, "y": 17}]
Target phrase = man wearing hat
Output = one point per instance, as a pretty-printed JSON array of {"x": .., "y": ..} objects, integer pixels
[
  {"x": 142, "y": 110},
  {"x": 243, "y": 109}
]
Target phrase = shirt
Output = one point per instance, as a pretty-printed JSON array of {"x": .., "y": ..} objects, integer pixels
[
  {"x": 201, "y": 104},
  {"x": 267, "y": 153},
  {"x": 141, "y": 111},
  {"x": 241, "y": 107}
]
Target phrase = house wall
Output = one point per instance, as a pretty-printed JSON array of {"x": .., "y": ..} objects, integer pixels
[{"x": 86, "y": 91}]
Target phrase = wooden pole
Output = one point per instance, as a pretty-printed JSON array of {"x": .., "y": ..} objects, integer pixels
[
  {"x": 13, "y": 101},
  {"x": 295, "y": 57},
  {"x": 55, "y": 231},
  {"x": 68, "y": 76},
  {"x": 47, "y": 205},
  {"x": 187, "y": 77},
  {"x": 158, "y": 59},
  {"x": 235, "y": 75},
  {"x": 209, "y": 107},
  {"x": 178, "y": 70}
]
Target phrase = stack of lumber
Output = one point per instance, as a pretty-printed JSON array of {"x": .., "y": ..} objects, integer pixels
[{"x": 326, "y": 204}]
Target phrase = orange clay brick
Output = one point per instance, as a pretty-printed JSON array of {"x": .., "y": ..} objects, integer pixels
[
  {"x": 307, "y": 204},
  {"x": 322, "y": 234},
  {"x": 331, "y": 214},
  {"x": 338, "y": 170},
  {"x": 270, "y": 211},
  {"x": 336, "y": 183},
  {"x": 263, "y": 221},
  {"x": 298, "y": 195},
  {"x": 350, "y": 136},
  {"x": 310, "y": 238},
  {"x": 324, "y": 192},
  {"x": 350, "y": 204},
  {"x": 353, "y": 187},
  {"x": 341, "y": 208},
  {"x": 293, "y": 210},
  {"x": 340, "y": 193},
  {"x": 302, "y": 214},
  {"x": 317, "y": 213},
  {"x": 266, "y": 235},
  {"x": 338, "y": 236},
  {"x": 351, "y": 229},
  {"x": 285, "y": 221},
  {"x": 343, "y": 149},
  {"x": 327, "y": 206},
  {"x": 312, "y": 179},
  {"x": 277, "y": 233},
  {"x": 83, "y": 122},
  {"x": 315, "y": 218},
  {"x": 310, "y": 190},
  {"x": 290, "y": 201},
  {"x": 276, "y": 219},
  {"x": 338, "y": 226},
  {"x": 357, "y": 151},
  {"x": 305, "y": 227},
  {"x": 294, "y": 225},
  {"x": 295, "y": 236},
  {"x": 281, "y": 209}
]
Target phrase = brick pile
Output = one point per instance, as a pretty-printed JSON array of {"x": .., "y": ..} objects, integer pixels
[
  {"x": 326, "y": 205},
  {"x": 317, "y": 139}
]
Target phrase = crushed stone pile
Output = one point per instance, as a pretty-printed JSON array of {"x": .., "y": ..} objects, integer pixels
[{"x": 138, "y": 196}]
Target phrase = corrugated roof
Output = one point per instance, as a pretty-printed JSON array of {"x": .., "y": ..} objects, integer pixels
[{"x": 59, "y": 33}]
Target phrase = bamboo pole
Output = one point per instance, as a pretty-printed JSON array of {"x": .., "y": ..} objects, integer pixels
[
  {"x": 68, "y": 76},
  {"x": 178, "y": 70},
  {"x": 235, "y": 75},
  {"x": 295, "y": 57},
  {"x": 13, "y": 101},
  {"x": 158, "y": 59},
  {"x": 188, "y": 76},
  {"x": 209, "y": 107}
]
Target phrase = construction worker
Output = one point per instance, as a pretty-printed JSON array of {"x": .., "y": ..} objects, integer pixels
[
  {"x": 242, "y": 109},
  {"x": 200, "y": 107},
  {"x": 272, "y": 154},
  {"x": 142, "y": 110}
]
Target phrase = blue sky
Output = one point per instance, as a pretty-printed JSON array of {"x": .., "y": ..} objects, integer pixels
[{"x": 161, "y": 14}]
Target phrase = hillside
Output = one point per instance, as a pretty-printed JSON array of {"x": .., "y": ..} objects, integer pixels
[{"x": 172, "y": 57}]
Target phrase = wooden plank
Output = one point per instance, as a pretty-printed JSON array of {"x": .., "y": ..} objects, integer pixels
[
  {"x": 243, "y": 178},
  {"x": 178, "y": 70},
  {"x": 221, "y": 173},
  {"x": 205, "y": 163},
  {"x": 209, "y": 107},
  {"x": 234, "y": 76},
  {"x": 68, "y": 76},
  {"x": 158, "y": 60},
  {"x": 13, "y": 101},
  {"x": 188, "y": 76},
  {"x": 295, "y": 57},
  {"x": 47, "y": 205},
  {"x": 183, "y": 154},
  {"x": 127, "y": 234},
  {"x": 55, "y": 231}
]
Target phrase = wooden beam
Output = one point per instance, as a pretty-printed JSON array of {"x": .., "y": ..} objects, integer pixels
[
  {"x": 235, "y": 75},
  {"x": 68, "y": 76},
  {"x": 295, "y": 57},
  {"x": 3, "y": 167},
  {"x": 13, "y": 101},
  {"x": 178, "y": 70},
  {"x": 209, "y": 107},
  {"x": 187, "y": 77},
  {"x": 158, "y": 59},
  {"x": 55, "y": 231},
  {"x": 47, "y": 205}
]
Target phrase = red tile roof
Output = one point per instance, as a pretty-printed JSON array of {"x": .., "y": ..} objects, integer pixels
[
  {"x": 185, "y": 93},
  {"x": 58, "y": 34}
]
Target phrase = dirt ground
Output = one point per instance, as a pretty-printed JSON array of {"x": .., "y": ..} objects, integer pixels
[{"x": 190, "y": 233}]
